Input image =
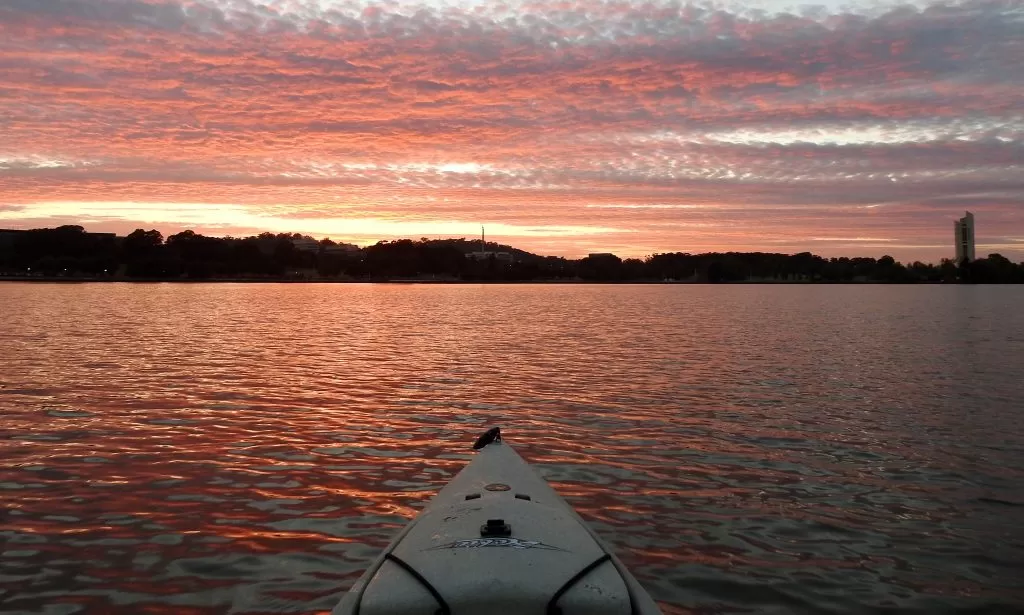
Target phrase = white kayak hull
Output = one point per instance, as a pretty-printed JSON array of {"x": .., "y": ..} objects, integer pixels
[{"x": 497, "y": 539}]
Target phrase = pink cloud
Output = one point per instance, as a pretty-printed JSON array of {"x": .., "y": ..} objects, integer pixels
[{"x": 777, "y": 126}]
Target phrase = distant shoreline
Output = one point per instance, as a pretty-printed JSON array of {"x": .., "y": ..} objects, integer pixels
[
  {"x": 69, "y": 253},
  {"x": 562, "y": 281}
]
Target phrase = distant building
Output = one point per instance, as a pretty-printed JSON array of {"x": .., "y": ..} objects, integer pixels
[
  {"x": 483, "y": 254},
  {"x": 963, "y": 230},
  {"x": 601, "y": 255},
  {"x": 308, "y": 244},
  {"x": 8, "y": 237},
  {"x": 347, "y": 249}
]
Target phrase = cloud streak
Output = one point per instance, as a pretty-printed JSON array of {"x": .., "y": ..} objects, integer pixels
[{"x": 646, "y": 126}]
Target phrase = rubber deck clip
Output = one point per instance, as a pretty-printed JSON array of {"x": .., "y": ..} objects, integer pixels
[{"x": 495, "y": 527}]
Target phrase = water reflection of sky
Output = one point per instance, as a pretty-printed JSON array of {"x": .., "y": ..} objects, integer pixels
[{"x": 249, "y": 448}]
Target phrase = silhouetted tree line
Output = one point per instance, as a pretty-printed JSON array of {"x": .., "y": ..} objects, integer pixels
[{"x": 71, "y": 251}]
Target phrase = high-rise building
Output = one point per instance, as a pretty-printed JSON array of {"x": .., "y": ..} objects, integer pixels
[{"x": 964, "y": 237}]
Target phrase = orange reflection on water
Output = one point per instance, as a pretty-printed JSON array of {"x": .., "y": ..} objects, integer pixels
[{"x": 252, "y": 447}]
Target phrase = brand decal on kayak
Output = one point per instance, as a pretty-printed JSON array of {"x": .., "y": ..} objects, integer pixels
[{"x": 511, "y": 543}]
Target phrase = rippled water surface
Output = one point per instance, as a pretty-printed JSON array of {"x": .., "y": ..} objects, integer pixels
[{"x": 218, "y": 448}]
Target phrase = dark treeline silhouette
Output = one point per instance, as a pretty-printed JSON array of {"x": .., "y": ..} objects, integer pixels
[{"x": 70, "y": 251}]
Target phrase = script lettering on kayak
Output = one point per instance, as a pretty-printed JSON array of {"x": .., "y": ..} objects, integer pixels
[{"x": 511, "y": 543}]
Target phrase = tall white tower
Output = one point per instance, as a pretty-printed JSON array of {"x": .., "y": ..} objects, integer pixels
[{"x": 963, "y": 230}]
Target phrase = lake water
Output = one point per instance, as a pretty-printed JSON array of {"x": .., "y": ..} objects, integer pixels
[{"x": 221, "y": 448}]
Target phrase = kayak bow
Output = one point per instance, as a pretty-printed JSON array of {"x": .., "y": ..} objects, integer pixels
[{"x": 496, "y": 539}]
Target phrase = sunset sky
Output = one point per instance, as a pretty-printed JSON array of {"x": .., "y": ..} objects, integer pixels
[{"x": 566, "y": 127}]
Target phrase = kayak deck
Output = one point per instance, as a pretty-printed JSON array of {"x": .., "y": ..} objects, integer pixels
[{"x": 497, "y": 539}]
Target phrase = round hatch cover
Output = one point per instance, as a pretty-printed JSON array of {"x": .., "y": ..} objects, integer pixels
[{"x": 497, "y": 487}]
